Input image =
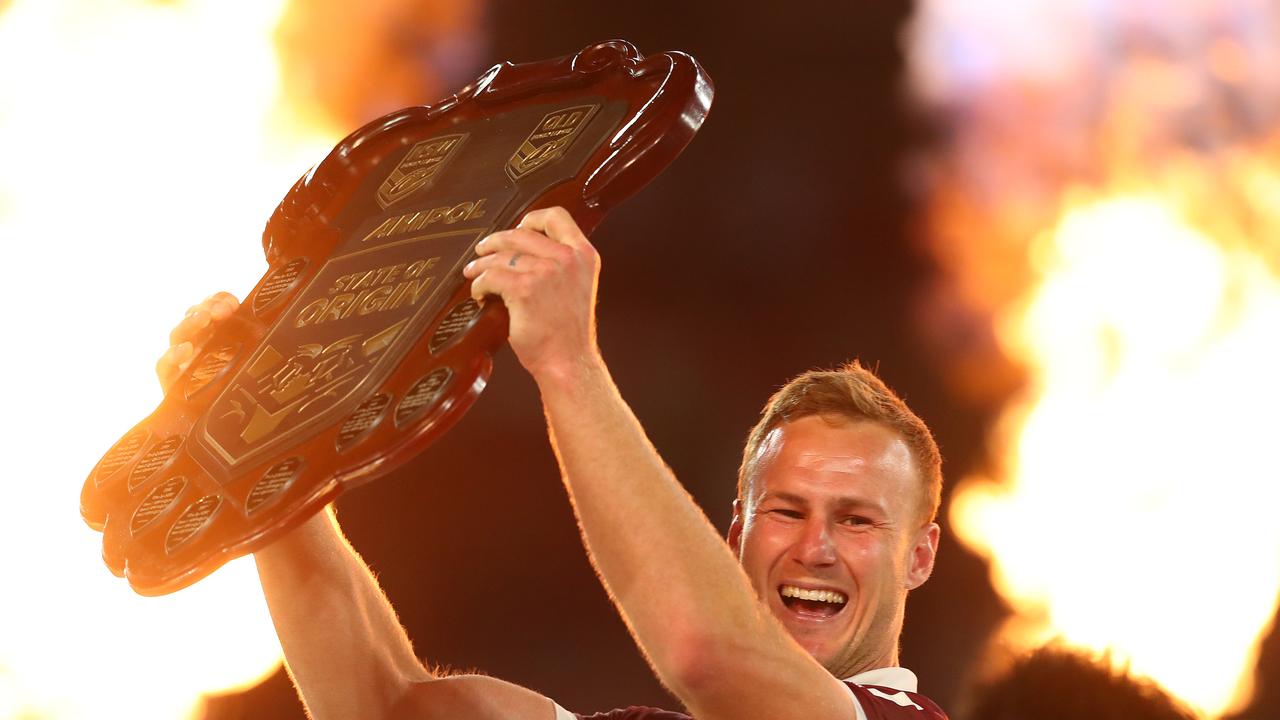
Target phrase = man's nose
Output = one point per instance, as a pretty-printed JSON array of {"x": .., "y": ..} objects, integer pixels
[{"x": 815, "y": 547}]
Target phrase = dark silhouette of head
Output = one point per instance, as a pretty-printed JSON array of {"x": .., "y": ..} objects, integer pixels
[{"x": 1056, "y": 683}]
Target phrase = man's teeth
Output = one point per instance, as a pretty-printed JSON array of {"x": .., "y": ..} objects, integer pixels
[{"x": 830, "y": 596}]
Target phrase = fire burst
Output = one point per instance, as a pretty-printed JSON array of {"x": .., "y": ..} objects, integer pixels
[
  {"x": 144, "y": 149},
  {"x": 1130, "y": 159}
]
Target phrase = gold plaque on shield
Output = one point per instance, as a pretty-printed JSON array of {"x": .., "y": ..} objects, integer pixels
[
  {"x": 549, "y": 140},
  {"x": 416, "y": 171}
]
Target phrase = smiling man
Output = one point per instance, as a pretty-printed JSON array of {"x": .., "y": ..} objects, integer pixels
[
  {"x": 797, "y": 617},
  {"x": 837, "y": 493}
]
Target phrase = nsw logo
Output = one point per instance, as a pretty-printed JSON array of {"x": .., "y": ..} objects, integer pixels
[{"x": 418, "y": 168}]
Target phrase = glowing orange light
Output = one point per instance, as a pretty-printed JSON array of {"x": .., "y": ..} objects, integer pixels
[
  {"x": 1135, "y": 512},
  {"x": 145, "y": 147},
  {"x": 1106, "y": 195}
]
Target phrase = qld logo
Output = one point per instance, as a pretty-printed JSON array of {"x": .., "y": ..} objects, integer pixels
[
  {"x": 418, "y": 168},
  {"x": 549, "y": 139}
]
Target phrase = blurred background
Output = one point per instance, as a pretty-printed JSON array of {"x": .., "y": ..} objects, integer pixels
[{"x": 1052, "y": 226}]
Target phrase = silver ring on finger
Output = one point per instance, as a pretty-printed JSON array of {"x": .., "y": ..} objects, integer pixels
[{"x": 514, "y": 259}]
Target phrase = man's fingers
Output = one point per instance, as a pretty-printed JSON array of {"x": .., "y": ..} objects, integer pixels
[
  {"x": 215, "y": 308},
  {"x": 173, "y": 363},
  {"x": 222, "y": 305},
  {"x": 190, "y": 326},
  {"x": 496, "y": 280},
  {"x": 190, "y": 332},
  {"x": 556, "y": 223},
  {"x": 213, "y": 301},
  {"x": 222, "y": 296},
  {"x": 511, "y": 260},
  {"x": 525, "y": 242},
  {"x": 473, "y": 269},
  {"x": 177, "y": 357}
]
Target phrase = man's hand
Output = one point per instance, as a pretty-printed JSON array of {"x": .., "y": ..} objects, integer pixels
[
  {"x": 546, "y": 272},
  {"x": 189, "y": 335}
]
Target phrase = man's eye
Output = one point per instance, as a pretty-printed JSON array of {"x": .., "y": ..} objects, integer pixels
[
  {"x": 856, "y": 521},
  {"x": 789, "y": 514}
]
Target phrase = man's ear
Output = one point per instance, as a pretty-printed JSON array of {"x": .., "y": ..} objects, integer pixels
[
  {"x": 924, "y": 550},
  {"x": 735, "y": 529}
]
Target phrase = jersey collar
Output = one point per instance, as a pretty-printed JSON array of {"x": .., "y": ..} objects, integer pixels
[{"x": 898, "y": 678}]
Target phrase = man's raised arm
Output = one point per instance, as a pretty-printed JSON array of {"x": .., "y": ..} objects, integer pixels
[
  {"x": 676, "y": 583},
  {"x": 344, "y": 647}
]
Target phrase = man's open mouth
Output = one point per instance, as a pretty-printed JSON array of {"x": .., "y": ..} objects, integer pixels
[{"x": 812, "y": 603}]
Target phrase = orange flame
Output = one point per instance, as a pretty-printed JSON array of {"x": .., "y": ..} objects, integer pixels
[
  {"x": 146, "y": 144},
  {"x": 1135, "y": 514},
  {"x": 1119, "y": 171},
  {"x": 144, "y": 149}
]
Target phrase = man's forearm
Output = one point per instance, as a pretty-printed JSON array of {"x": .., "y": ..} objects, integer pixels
[
  {"x": 345, "y": 649},
  {"x": 677, "y": 584},
  {"x": 344, "y": 646}
]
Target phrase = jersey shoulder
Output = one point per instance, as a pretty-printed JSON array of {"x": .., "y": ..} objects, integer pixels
[{"x": 885, "y": 703}]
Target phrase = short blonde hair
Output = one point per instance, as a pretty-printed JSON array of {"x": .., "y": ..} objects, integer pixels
[{"x": 853, "y": 392}]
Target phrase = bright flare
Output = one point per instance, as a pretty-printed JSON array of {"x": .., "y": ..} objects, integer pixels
[
  {"x": 1137, "y": 512},
  {"x": 144, "y": 150}
]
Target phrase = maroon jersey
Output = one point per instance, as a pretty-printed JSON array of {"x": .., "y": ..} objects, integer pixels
[
  {"x": 878, "y": 702},
  {"x": 886, "y": 703},
  {"x": 635, "y": 713}
]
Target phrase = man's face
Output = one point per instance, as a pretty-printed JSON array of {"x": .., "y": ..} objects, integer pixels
[{"x": 831, "y": 537}]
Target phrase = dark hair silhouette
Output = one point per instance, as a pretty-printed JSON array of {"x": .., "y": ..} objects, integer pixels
[{"x": 1056, "y": 683}]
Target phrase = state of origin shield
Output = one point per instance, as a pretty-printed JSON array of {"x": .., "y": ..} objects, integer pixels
[{"x": 361, "y": 344}]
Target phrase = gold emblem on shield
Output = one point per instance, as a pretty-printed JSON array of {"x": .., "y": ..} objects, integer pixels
[
  {"x": 418, "y": 168},
  {"x": 549, "y": 139},
  {"x": 285, "y": 391}
]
